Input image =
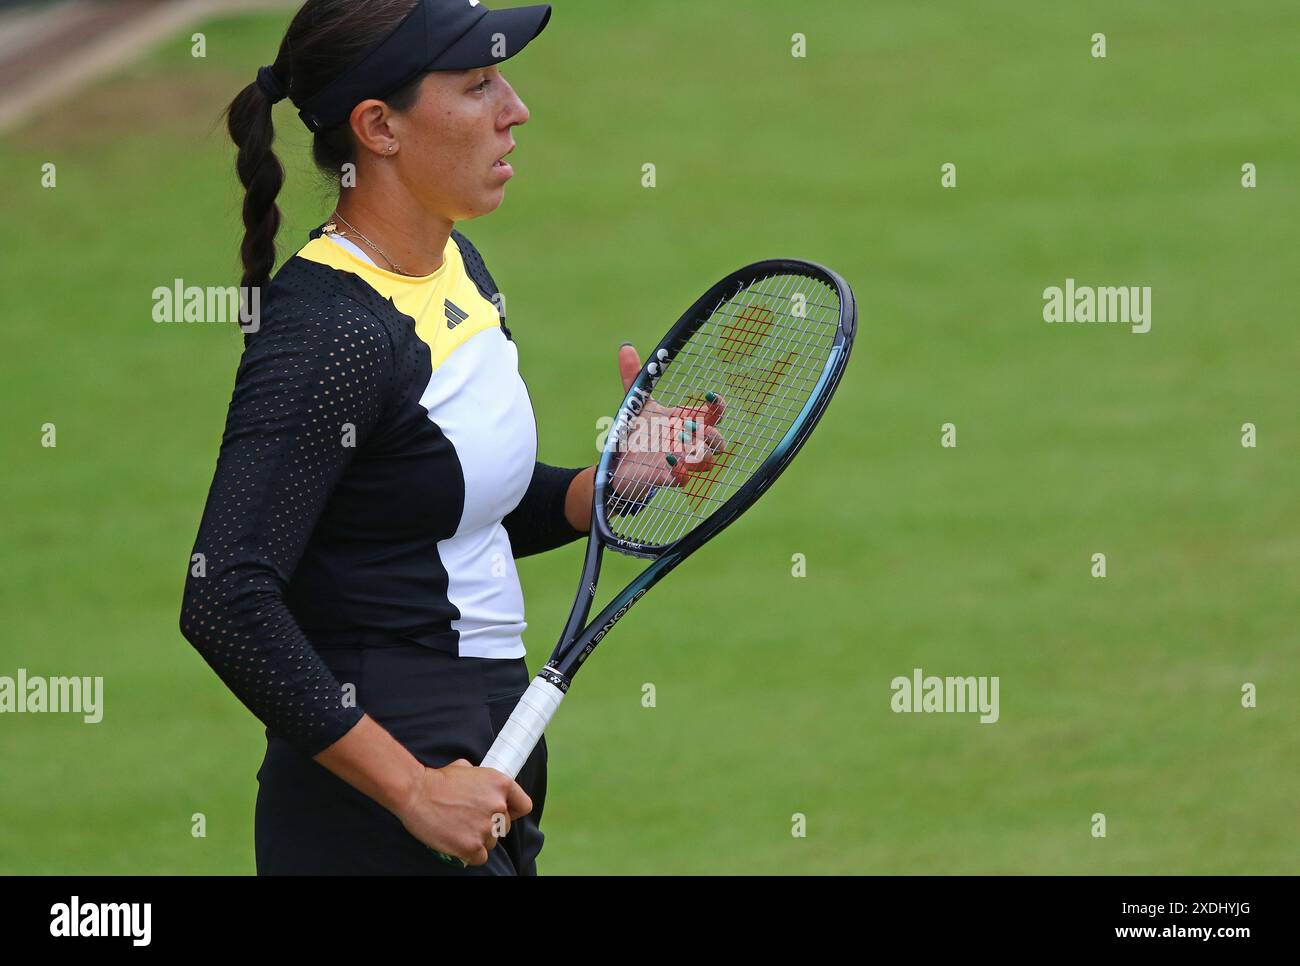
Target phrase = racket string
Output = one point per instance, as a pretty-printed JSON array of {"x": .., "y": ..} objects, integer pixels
[
  {"x": 757, "y": 330},
  {"x": 723, "y": 340},
  {"x": 742, "y": 336},
  {"x": 765, "y": 362}
]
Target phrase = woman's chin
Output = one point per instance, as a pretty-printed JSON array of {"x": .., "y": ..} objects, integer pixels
[{"x": 489, "y": 201}]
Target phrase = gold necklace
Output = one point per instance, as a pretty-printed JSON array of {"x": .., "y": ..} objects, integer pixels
[{"x": 332, "y": 229}]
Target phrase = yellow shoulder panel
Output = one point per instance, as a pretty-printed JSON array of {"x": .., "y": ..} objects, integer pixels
[{"x": 447, "y": 307}]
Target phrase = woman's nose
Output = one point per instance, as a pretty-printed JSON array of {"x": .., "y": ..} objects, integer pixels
[{"x": 516, "y": 111}]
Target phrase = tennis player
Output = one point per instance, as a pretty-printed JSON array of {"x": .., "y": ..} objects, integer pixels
[{"x": 353, "y": 580}]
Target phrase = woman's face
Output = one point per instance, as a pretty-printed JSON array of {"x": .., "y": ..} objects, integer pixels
[{"x": 452, "y": 139}]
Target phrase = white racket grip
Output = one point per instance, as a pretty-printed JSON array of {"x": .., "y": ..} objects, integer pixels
[{"x": 524, "y": 729}]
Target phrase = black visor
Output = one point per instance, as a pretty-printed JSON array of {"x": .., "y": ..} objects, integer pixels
[{"x": 436, "y": 35}]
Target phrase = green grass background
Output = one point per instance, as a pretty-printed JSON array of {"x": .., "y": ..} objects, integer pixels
[{"x": 1119, "y": 696}]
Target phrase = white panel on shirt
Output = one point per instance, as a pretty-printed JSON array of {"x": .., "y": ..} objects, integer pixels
[{"x": 481, "y": 405}]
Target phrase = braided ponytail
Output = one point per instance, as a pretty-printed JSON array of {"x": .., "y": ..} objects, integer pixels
[{"x": 248, "y": 118}]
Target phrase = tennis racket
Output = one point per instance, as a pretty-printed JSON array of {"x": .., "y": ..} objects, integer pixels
[{"x": 719, "y": 409}]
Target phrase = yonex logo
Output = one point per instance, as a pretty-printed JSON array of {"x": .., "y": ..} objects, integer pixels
[{"x": 455, "y": 314}]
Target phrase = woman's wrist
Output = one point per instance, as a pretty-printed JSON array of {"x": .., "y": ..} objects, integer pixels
[
  {"x": 375, "y": 763},
  {"x": 577, "y": 500}
]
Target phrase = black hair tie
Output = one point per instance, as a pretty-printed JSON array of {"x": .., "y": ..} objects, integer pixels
[{"x": 270, "y": 84}]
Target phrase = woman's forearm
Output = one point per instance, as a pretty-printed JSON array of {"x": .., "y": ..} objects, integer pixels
[
  {"x": 374, "y": 762},
  {"x": 456, "y": 810}
]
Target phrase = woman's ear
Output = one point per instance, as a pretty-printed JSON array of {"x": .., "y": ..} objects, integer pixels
[{"x": 370, "y": 125}]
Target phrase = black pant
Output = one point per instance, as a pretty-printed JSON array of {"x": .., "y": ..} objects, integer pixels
[{"x": 440, "y": 707}]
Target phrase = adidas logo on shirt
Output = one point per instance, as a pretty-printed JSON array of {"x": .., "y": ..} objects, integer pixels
[{"x": 455, "y": 314}]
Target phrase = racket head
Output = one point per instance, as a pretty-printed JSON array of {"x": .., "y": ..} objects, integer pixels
[{"x": 775, "y": 369}]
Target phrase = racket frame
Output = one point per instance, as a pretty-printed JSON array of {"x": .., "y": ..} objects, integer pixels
[{"x": 576, "y": 644}]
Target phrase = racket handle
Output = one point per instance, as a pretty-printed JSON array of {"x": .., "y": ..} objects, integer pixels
[
  {"x": 524, "y": 729},
  {"x": 519, "y": 737}
]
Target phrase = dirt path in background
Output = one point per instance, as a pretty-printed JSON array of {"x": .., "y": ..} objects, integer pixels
[{"x": 48, "y": 52}]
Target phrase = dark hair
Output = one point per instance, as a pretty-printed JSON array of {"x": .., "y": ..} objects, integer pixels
[{"x": 324, "y": 38}]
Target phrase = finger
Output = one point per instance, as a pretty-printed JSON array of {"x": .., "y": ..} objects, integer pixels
[
  {"x": 678, "y": 469},
  {"x": 707, "y": 412},
  {"x": 477, "y": 857},
  {"x": 629, "y": 365},
  {"x": 517, "y": 801},
  {"x": 688, "y": 444},
  {"x": 714, "y": 440},
  {"x": 699, "y": 458},
  {"x": 696, "y": 431},
  {"x": 714, "y": 407},
  {"x": 698, "y": 461}
]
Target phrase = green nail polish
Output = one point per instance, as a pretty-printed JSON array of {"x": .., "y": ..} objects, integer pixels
[
  {"x": 672, "y": 460},
  {"x": 684, "y": 437},
  {"x": 690, "y": 424},
  {"x": 710, "y": 396}
]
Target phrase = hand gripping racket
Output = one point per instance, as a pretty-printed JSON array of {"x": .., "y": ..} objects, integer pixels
[{"x": 754, "y": 361}]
